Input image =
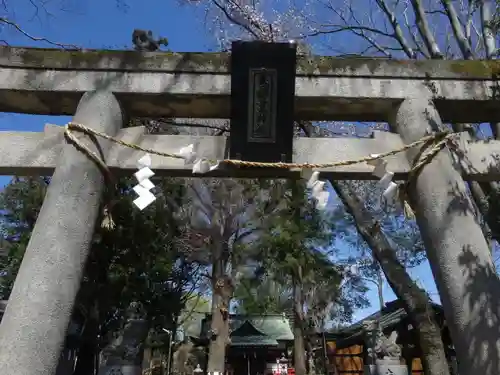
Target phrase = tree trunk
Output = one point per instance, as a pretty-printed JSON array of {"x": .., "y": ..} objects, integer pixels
[
  {"x": 415, "y": 300},
  {"x": 219, "y": 326},
  {"x": 87, "y": 353},
  {"x": 218, "y": 342},
  {"x": 380, "y": 289},
  {"x": 299, "y": 350}
]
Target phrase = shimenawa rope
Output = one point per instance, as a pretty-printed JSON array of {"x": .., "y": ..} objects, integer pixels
[{"x": 435, "y": 142}]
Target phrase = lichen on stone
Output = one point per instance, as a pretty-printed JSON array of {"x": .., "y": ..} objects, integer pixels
[
  {"x": 330, "y": 64},
  {"x": 220, "y": 62},
  {"x": 476, "y": 68},
  {"x": 88, "y": 59},
  {"x": 42, "y": 57}
]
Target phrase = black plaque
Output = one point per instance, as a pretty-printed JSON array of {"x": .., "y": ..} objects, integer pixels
[{"x": 262, "y": 101}]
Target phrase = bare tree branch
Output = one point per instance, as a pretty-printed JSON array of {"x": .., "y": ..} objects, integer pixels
[
  {"x": 414, "y": 37},
  {"x": 488, "y": 35},
  {"x": 234, "y": 20},
  {"x": 35, "y": 38},
  {"x": 469, "y": 22},
  {"x": 425, "y": 31},
  {"x": 398, "y": 33},
  {"x": 331, "y": 29},
  {"x": 461, "y": 39}
]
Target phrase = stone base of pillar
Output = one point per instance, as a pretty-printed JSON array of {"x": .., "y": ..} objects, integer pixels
[{"x": 386, "y": 367}]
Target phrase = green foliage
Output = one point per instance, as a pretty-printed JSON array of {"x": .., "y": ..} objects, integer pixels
[
  {"x": 194, "y": 311},
  {"x": 296, "y": 241},
  {"x": 20, "y": 203},
  {"x": 137, "y": 261},
  {"x": 262, "y": 296},
  {"x": 296, "y": 233},
  {"x": 296, "y": 249}
]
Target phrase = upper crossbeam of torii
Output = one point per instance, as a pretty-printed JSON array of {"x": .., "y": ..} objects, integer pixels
[
  {"x": 103, "y": 88},
  {"x": 197, "y": 85}
]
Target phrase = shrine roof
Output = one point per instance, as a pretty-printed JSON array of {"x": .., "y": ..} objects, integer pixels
[
  {"x": 391, "y": 314},
  {"x": 253, "y": 341},
  {"x": 389, "y": 317},
  {"x": 255, "y": 329}
]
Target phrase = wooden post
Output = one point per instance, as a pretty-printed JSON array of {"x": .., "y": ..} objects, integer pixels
[
  {"x": 456, "y": 248},
  {"x": 33, "y": 329}
]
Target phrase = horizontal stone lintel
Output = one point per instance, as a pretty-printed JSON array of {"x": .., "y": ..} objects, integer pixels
[
  {"x": 37, "y": 153},
  {"x": 219, "y": 63},
  {"x": 45, "y": 81}
]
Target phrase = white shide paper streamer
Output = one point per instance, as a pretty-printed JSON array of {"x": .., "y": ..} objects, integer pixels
[
  {"x": 201, "y": 165},
  {"x": 389, "y": 188},
  {"x": 317, "y": 188},
  {"x": 145, "y": 197}
]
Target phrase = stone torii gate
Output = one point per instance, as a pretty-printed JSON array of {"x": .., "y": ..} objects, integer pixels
[{"x": 101, "y": 88}]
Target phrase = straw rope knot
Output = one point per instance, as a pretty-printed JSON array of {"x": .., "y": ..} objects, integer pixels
[
  {"x": 110, "y": 186},
  {"x": 430, "y": 148}
]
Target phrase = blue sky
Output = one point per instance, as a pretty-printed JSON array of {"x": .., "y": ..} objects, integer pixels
[{"x": 106, "y": 24}]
